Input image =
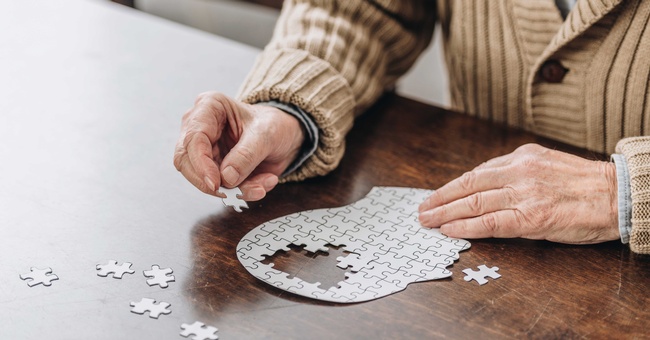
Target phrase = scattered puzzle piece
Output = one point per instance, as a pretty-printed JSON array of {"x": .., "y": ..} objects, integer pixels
[
  {"x": 388, "y": 248},
  {"x": 159, "y": 276},
  {"x": 150, "y": 305},
  {"x": 39, "y": 276},
  {"x": 112, "y": 268},
  {"x": 233, "y": 198},
  {"x": 480, "y": 275},
  {"x": 199, "y": 330}
]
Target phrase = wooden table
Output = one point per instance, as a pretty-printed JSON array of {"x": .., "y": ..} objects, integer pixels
[{"x": 92, "y": 95}]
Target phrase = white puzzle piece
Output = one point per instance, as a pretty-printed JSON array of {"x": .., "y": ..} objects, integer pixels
[
  {"x": 233, "y": 198},
  {"x": 480, "y": 275},
  {"x": 112, "y": 268},
  {"x": 157, "y": 276},
  {"x": 150, "y": 305},
  {"x": 199, "y": 330},
  {"x": 388, "y": 247},
  {"x": 39, "y": 276}
]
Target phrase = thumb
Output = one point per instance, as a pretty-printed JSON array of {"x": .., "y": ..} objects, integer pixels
[{"x": 242, "y": 159}]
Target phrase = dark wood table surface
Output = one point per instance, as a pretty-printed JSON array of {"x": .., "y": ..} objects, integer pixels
[{"x": 92, "y": 96}]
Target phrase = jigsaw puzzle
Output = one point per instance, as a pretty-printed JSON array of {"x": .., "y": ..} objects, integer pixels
[
  {"x": 112, "y": 268},
  {"x": 480, "y": 275},
  {"x": 39, "y": 276},
  {"x": 199, "y": 330},
  {"x": 157, "y": 276},
  {"x": 388, "y": 249},
  {"x": 233, "y": 198},
  {"x": 150, "y": 305}
]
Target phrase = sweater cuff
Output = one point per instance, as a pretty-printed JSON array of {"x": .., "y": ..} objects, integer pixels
[
  {"x": 636, "y": 151},
  {"x": 310, "y": 144},
  {"x": 624, "y": 197},
  {"x": 311, "y": 84}
]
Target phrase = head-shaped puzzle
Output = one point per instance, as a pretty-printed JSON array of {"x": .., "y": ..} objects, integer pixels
[{"x": 388, "y": 249}]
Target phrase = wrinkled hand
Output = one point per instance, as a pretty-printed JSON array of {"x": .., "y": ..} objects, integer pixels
[
  {"x": 230, "y": 143},
  {"x": 534, "y": 193}
]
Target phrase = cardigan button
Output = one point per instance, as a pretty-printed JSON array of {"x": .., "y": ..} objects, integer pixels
[{"x": 552, "y": 71}]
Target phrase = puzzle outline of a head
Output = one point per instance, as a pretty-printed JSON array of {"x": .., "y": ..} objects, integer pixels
[{"x": 388, "y": 249}]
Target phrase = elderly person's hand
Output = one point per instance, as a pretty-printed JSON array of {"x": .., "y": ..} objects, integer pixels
[
  {"x": 228, "y": 143},
  {"x": 534, "y": 193}
]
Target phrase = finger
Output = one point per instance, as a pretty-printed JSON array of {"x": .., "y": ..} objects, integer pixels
[
  {"x": 190, "y": 174},
  {"x": 184, "y": 166},
  {"x": 469, "y": 183},
  {"x": 199, "y": 153},
  {"x": 501, "y": 224},
  {"x": 471, "y": 206},
  {"x": 256, "y": 187},
  {"x": 243, "y": 158},
  {"x": 209, "y": 114}
]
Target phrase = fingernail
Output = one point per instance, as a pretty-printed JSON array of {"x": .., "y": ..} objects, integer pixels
[
  {"x": 257, "y": 194},
  {"x": 230, "y": 175},
  {"x": 445, "y": 228},
  {"x": 423, "y": 220},
  {"x": 210, "y": 184},
  {"x": 270, "y": 182},
  {"x": 422, "y": 207}
]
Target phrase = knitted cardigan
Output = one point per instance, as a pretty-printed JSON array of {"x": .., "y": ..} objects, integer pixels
[{"x": 334, "y": 58}]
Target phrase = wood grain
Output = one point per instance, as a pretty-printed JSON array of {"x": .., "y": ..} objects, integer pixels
[
  {"x": 94, "y": 97},
  {"x": 547, "y": 290}
]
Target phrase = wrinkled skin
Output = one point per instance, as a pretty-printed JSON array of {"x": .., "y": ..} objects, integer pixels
[
  {"x": 225, "y": 142},
  {"x": 534, "y": 193}
]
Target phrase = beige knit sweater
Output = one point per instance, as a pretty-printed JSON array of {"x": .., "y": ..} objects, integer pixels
[{"x": 334, "y": 58}]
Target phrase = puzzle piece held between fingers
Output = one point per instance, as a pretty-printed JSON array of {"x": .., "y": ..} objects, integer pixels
[
  {"x": 233, "y": 198},
  {"x": 39, "y": 276},
  {"x": 199, "y": 330},
  {"x": 480, "y": 275}
]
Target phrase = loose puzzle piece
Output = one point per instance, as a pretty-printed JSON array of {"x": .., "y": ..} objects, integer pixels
[
  {"x": 150, "y": 305},
  {"x": 480, "y": 275},
  {"x": 112, "y": 268},
  {"x": 388, "y": 249},
  {"x": 199, "y": 330},
  {"x": 39, "y": 276},
  {"x": 159, "y": 276},
  {"x": 233, "y": 198}
]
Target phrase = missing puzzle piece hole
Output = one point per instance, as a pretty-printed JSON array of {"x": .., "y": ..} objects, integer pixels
[{"x": 311, "y": 267}]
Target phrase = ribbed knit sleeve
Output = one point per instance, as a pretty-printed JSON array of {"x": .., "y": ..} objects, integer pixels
[
  {"x": 636, "y": 151},
  {"x": 333, "y": 59}
]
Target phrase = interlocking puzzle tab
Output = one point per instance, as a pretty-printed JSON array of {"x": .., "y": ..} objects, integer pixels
[
  {"x": 39, "y": 276},
  {"x": 199, "y": 330},
  {"x": 388, "y": 247},
  {"x": 233, "y": 198},
  {"x": 480, "y": 275},
  {"x": 159, "y": 276},
  {"x": 112, "y": 268},
  {"x": 150, "y": 305}
]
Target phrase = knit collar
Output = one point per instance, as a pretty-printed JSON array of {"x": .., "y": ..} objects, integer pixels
[
  {"x": 584, "y": 14},
  {"x": 543, "y": 31}
]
